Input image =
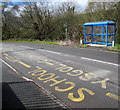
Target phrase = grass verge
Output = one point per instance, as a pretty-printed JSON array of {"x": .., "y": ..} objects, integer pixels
[
  {"x": 115, "y": 48},
  {"x": 41, "y": 42},
  {"x": 82, "y": 46}
]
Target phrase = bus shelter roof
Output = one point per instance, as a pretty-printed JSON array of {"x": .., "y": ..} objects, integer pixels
[{"x": 98, "y": 23}]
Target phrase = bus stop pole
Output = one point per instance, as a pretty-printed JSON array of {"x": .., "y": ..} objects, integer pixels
[{"x": 66, "y": 34}]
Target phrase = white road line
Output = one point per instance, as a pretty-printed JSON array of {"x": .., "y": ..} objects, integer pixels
[
  {"x": 9, "y": 65},
  {"x": 99, "y": 61},
  {"x": 26, "y": 47},
  {"x": 27, "y": 79},
  {"x": 66, "y": 55},
  {"x": 99, "y": 50},
  {"x": 10, "y": 44},
  {"x": 50, "y": 51}
]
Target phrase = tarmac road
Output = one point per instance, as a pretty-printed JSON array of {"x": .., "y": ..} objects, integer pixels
[{"x": 79, "y": 77}]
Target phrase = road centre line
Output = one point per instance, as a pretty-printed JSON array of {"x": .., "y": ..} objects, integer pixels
[
  {"x": 90, "y": 59},
  {"x": 50, "y": 51},
  {"x": 27, "y": 47},
  {"x": 81, "y": 57},
  {"x": 58, "y": 53},
  {"x": 63, "y": 54},
  {"x": 99, "y": 50},
  {"x": 74, "y": 56}
]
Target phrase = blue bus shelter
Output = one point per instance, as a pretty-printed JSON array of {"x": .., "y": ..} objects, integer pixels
[{"x": 103, "y": 32}]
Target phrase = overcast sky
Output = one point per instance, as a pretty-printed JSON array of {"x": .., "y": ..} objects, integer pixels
[{"x": 82, "y": 2}]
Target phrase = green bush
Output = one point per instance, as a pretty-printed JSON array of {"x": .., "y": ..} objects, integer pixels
[{"x": 27, "y": 34}]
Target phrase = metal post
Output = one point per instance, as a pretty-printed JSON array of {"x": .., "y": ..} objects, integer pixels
[
  {"x": 84, "y": 34},
  {"x": 114, "y": 32},
  {"x": 66, "y": 33},
  {"x": 113, "y": 43},
  {"x": 81, "y": 42},
  {"x": 102, "y": 33},
  {"x": 92, "y": 34},
  {"x": 106, "y": 35}
]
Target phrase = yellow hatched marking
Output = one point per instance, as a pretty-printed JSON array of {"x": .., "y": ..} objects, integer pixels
[{"x": 116, "y": 97}]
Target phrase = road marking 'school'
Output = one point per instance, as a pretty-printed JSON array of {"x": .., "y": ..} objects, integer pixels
[{"x": 113, "y": 96}]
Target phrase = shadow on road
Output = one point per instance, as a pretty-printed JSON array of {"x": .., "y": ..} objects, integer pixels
[{"x": 9, "y": 99}]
